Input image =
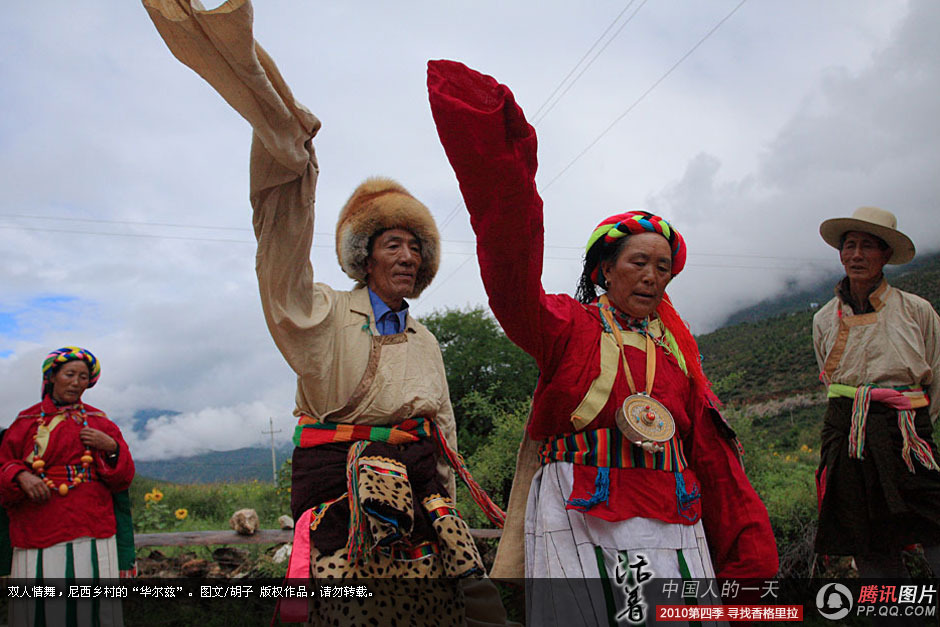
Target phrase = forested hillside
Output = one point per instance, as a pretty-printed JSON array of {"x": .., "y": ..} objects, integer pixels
[
  {"x": 924, "y": 267},
  {"x": 773, "y": 357}
]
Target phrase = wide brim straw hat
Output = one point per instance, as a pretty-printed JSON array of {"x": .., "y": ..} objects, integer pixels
[{"x": 877, "y": 222}]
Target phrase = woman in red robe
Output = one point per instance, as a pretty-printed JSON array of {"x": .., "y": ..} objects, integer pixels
[
  {"x": 60, "y": 463},
  {"x": 604, "y": 502}
]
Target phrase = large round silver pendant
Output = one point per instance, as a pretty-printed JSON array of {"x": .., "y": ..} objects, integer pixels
[{"x": 642, "y": 418}]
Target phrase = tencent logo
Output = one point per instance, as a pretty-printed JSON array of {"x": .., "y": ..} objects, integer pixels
[{"x": 834, "y": 601}]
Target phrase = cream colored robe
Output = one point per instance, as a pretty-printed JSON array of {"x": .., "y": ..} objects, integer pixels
[
  {"x": 325, "y": 335},
  {"x": 897, "y": 344}
]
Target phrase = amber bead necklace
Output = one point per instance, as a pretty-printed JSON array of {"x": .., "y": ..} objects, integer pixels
[{"x": 39, "y": 465}]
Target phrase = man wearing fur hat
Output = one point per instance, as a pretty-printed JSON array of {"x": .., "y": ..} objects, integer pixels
[
  {"x": 375, "y": 464},
  {"x": 878, "y": 350}
]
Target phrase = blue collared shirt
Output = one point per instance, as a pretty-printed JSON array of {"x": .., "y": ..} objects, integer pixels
[{"x": 387, "y": 322}]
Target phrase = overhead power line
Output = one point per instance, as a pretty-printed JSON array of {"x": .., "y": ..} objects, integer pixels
[
  {"x": 636, "y": 102},
  {"x": 141, "y": 235},
  {"x": 448, "y": 277},
  {"x": 453, "y": 214},
  {"x": 329, "y": 236},
  {"x": 126, "y": 222},
  {"x": 536, "y": 118},
  {"x": 646, "y": 93}
]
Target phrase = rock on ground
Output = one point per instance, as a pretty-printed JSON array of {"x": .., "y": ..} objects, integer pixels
[{"x": 245, "y": 522}]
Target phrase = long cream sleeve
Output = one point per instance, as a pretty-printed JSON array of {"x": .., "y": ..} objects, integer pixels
[
  {"x": 219, "y": 46},
  {"x": 325, "y": 335}
]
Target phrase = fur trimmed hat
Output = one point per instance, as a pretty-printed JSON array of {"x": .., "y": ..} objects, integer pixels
[{"x": 379, "y": 204}]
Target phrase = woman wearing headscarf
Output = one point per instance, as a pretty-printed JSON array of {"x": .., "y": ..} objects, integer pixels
[
  {"x": 626, "y": 459},
  {"x": 61, "y": 463}
]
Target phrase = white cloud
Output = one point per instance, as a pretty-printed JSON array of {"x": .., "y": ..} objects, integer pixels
[
  {"x": 864, "y": 137},
  {"x": 192, "y": 433}
]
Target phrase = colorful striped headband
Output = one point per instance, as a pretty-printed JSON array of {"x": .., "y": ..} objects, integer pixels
[
  {"x": 70, "y": 353},
  {"x": 615, "y": 227}
]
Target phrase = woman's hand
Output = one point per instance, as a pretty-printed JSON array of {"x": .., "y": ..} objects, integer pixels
[
  {"x": 93, "y": 438},
  {"x": 34, "y": 487}
]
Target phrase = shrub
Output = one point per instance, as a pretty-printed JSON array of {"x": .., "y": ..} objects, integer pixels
[{"x": 783, "y": 477}]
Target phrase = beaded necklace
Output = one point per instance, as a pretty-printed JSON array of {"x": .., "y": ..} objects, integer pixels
[
  {"x": 642, "y": 419},
  {"x": 39, "y": 465},
  {"x": 637, "y": 325}
]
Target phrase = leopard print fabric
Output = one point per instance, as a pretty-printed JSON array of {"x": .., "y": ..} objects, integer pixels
[
  {"x": 459, "y": 554},
  {"x": 413, "y": 552},
  {"x": 385, "y": 498},
  {"x": 403, "y": 591}
]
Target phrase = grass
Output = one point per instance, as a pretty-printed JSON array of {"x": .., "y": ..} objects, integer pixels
[
  {"x": 208, "y": 506},
  {"x": 781, "y": 456},
  {"x": 780, "y": 439}
]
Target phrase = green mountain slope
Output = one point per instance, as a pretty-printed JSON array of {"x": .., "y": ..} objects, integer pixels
[
  {"x": 244, "y": 464},
  {"x": 773, "y": 357},
  {"x": 926, "y": 282},
  {"x": 765, "y": 371},
  {"x": 768, "y": 357}
]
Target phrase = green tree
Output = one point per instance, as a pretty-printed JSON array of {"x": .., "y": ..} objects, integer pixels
[
  {"x": 493, "y": 463},
  {"x": 480, "y": 359}
]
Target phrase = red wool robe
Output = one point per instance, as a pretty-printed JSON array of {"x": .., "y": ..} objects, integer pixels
[
  {"x": 493, "y": 152},
  {"x": 87, "y": 510}
]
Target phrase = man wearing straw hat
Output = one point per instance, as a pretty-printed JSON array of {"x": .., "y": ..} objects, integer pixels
[{"x": 878, "y": 350}]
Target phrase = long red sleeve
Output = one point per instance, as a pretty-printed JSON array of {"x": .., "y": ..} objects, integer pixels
[
  {"x": 735, "y": 519},
  {"x": 492, "y": 150}
]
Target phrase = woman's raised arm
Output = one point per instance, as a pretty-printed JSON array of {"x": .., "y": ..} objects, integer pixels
[{"x": 492, "y": 150}]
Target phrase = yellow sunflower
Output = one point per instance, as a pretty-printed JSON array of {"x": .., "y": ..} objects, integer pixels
[
  {"x": 181, "y": 513},
  {"x": 156, "y": 495}
]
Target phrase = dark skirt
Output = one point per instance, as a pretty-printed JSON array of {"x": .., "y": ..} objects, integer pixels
[{"x": 875, "y": 504}]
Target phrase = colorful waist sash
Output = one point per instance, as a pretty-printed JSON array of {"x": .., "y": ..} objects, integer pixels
[
  {"x": 905, "y": 399},
  {"x": 309, "y": 432},
  {"x": 608, "y": 448},
  {"x": 68, "y": 472}
]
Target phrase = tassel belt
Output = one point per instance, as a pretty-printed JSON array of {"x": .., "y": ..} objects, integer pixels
[
  {"x": 309, "y": 433},
  {"x": 906, "y": 400},
  {"x": 608, "y": 448}
]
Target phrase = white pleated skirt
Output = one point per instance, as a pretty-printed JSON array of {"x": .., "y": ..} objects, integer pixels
[
  {"x": 578, "y": 566},
  {"x": 72, "y": 560}
]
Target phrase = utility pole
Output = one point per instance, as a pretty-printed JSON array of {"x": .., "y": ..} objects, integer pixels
[{"x": 273, "y": 458}]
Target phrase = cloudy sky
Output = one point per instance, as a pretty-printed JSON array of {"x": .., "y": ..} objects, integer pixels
[{"x": 124, "y": 218}]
